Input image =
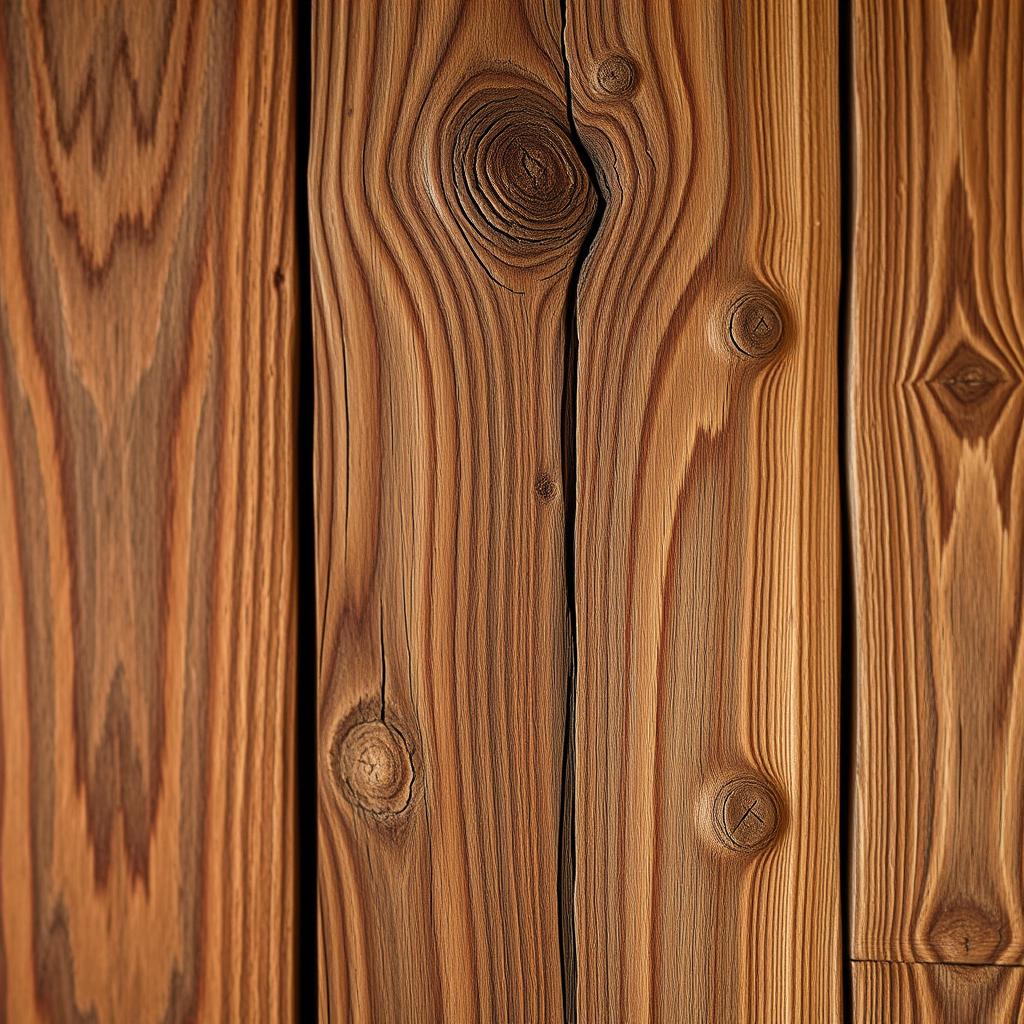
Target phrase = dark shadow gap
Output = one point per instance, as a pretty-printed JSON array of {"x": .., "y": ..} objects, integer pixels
[
  {"x": 567, "y": 812},
  {"x": 848, "y": 632},
  {"x": 306, "y": 989}
]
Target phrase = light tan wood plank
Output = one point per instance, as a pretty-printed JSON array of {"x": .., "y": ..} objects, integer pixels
[
  {"x": 937, "y": 406},
  {"x": 448, "y": 206},
  {"x": 147, "y": 585},
  {"x": 901, "y": 993},
  {"x": 707, "y": 542}
]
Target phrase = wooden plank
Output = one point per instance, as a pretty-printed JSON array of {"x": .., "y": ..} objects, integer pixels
[
  {"x": 902, "y": 993},
  {"x": 707, "y": 537},
  {"x": 448, "y": 206},
  {"x": 147, "y": 583},
  {"x": 937, "y": 362}
]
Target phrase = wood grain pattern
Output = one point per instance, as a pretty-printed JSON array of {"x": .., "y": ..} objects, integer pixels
[
  {"x": 448, "y": 208},
  {"x": 707, "y": 540},
  {"x": 147, "y": 584},
  {"x": 937, "y": 364},
  {"x": 902, "y": 993}
]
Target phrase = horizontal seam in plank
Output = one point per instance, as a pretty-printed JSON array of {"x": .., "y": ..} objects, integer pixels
[{"x": 933, "y": 963}]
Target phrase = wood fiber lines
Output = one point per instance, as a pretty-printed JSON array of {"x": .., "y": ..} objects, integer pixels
[
  {"x": 903, "y": 993},
  {"x": 571, "y": 501},
  {"x": 707, "y": 563},
  {"x": 937, "y": 406},
  {"x": 448, "y": 207},
  {"x": 461, "y": 166},
  {"x": 147, "y": 584}
]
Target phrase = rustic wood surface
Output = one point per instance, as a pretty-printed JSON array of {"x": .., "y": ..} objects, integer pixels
[
  {"x": 450, "y": 200},
  {"x": 448, "y": 207},
  {"x": 937, "y": 362},
  {"x": 147, "y": 579},
  {"x": 707, "y": 536},
  {"x": 575, "y": 298},
  {"x": 903, "y": 993}
]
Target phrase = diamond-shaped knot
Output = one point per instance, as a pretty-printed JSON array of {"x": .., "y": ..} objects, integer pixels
[
  {"x": 968, "y": 376},
  {"x": 972, "y": 390}
]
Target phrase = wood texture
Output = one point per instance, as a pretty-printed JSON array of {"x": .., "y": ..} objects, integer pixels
[
  {"x": 901, "y": 993},
  {"x": 147, "y": 582},
  {"x": 937, "y": 473},
  {"x": 707, "y": 540},
  {"x": 448, "y": 207}
]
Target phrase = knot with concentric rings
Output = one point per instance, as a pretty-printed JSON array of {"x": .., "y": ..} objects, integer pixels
[
  {"x": 518, "y": 184},
  {"x": 374, "y": 768}
]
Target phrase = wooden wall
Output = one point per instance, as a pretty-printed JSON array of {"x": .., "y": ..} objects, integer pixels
[{"x": 648, "y": 551}]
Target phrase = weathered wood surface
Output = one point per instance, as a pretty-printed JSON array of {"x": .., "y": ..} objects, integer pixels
[
  {"x": 707, "y": 535},
  {"x": 147, "y": 578},
  {"x": 903, "y": 993},
  {"x": 937, "y": 362},
  {"x": 448, "y": 207}
]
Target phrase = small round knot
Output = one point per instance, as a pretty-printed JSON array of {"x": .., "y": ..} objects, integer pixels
[
  {"x": 747, "y": 814},
  {"x": 616, "y": 76},
  {"x": 518, "y": 182},
  {"x": 756, "y": 324},
  {"x": 374, "y": 767},
  {"x": 545, "y": 487}
]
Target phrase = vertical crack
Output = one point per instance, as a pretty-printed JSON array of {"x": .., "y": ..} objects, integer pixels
[
  {"x": 847, "y": 648},
  {"x": 383, "y": 667},
  {"x": 567, "y": 813},
  {"x": 306, "y": 736}
]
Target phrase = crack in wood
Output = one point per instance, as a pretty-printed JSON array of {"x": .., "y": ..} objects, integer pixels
[{"x": 567, "y": 867}]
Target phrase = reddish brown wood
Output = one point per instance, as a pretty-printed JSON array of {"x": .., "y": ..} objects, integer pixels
[{"x": 147, "y": 581}]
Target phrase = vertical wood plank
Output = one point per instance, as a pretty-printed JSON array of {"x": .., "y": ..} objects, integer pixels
[
  {"x": 147, "y": 582},
  {"x": 938, "y": 478},
  {"x": 447, "y": 207},
  {"x": 707, "y": 553},
  {"x": 903, "y": 993}
]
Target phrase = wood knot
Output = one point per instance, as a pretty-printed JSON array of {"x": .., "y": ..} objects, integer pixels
[
  {"x": 373, "y": 766},
  {"x": 756, "y": 324},
  {"x": 616, "y": 76},
  {"x": 966, "y": 933},
  {"x": 545, "y": 487},
  {"x": 972, "y": 390},
  {"x": 969, "y": 384},
  {"x": 518, "y": 182},
  {"x": 747, "y": 814},
  {"x": 968, "y": 377}
]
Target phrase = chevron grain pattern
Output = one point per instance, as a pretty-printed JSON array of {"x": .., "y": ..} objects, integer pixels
[{"x": 147, "y": 583}]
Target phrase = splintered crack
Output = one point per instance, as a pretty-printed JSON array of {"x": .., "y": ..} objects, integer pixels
[{"x": 567, "y": 845}]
